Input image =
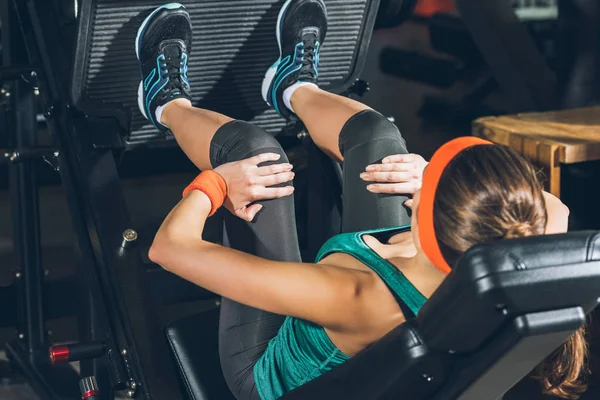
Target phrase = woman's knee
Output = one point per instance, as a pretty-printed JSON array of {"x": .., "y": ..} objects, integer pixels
[
  {"x": 238, "y": 140},
  {"x": 371, "y": 129}
]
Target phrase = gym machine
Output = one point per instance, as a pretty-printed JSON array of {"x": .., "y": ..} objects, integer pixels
[
  {"x": 78, "y": 55},
  {"x": 81, "y": 61}
]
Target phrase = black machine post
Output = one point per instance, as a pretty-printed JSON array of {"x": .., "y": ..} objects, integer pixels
[
  {"x": 29, "y": 351},
  {"x": 26, "y": 222},
  {"x": 117, "y": 309}
]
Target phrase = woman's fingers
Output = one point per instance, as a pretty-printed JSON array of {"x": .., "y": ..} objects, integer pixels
[
  {"x": 396, "y": 177},
  {"x": 395, "y": 188},
  {"x": 276, "y": 179},
  {"x": 267, "y": 193},
  {"x": 261, "y": 158},
  {"x": 399, "y": 167},
  {"x": 248, "y": 213},
  {"x": 401, "y": 158},
  {"x": 409, "y": 203},
  {"x": 274, "y": 169}
]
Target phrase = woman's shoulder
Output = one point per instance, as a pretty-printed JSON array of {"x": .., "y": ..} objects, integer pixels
[{"x": 399, "y": 246}]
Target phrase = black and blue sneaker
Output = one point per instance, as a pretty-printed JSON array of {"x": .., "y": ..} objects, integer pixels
[
  {"x": 301, "y": 30},
  {"x": 163, "y": 45}
]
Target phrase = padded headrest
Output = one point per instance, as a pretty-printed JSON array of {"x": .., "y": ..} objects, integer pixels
[{"x": 486, "y": 288}]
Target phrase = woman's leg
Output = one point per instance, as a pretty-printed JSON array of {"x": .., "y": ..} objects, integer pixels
[
  {"x": 194, "y": 129},
  {"x": 209, "y": 140},
  {"x": 351, "y": 132},
  {"x": 290, "y": 86},
  {"x": 324, "y": 114}
]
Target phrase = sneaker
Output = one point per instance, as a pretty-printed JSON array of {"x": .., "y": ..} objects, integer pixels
[
  {"x": 162, "y": 45},
  {"x": 301, "y": 29}
]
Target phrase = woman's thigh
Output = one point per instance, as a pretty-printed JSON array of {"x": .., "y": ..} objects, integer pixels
[
  {"x": 244, "y": 332},
  {"x": 366, "y": 139}
]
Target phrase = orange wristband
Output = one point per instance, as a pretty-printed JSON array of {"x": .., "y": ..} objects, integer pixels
[{"x": 212, "y": 185}]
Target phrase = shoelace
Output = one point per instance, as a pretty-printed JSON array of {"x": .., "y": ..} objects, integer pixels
[
  {"x": 309, "y": 57},
  {"x": 173, "y": 69}
]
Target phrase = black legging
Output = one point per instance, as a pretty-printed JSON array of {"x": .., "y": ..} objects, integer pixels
[{"x": 366, "y": 138}]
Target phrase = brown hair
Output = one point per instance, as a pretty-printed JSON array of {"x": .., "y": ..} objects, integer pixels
[{"x": 490, "y": 192}]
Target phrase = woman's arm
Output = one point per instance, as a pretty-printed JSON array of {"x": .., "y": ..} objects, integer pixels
[
  {"x": 329, "y": 296},
  {"x": 558, "y": 215},
  {"x": 403, "y": 174}
]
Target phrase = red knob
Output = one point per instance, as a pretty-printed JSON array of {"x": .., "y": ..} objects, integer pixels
[
  {"x": 89, "y": 394},
  {"x": 60, "y": 354}
]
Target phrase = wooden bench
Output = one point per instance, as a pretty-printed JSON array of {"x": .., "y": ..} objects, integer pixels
[{"x": 548, "y": 139}]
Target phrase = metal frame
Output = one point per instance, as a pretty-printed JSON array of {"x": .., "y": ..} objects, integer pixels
[
  {"x": 31, "y": 345},
  {"x": 117, "y": 309}
]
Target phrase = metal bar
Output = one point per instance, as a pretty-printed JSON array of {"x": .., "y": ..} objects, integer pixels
[
  {"x": 48, "y": 382},
  {"x": 122, "y": 276},
  {"x": 93, "y": 326},
  {"x": 15, "y": 72},
  {"x": 26, "y": 218},
  {"x": 28, "y": 355},
  {"x": 19, "y": 155},
  {"x": 100, "y": 217}
]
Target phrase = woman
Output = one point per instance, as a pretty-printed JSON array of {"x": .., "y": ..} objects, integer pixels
[{"x": 365, "y": 284}]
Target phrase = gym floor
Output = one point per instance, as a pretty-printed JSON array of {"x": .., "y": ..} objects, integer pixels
[{"x": 390, "y": 95}]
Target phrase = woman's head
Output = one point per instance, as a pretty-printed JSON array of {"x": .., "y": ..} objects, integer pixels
[
  {"x": 483, "y": 193},
  {"x": 473, "y": 192},
  {"x": 487, "y": 192}
]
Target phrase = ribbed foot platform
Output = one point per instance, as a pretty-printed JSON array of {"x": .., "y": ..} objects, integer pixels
[{"x": 234, "y": 44}]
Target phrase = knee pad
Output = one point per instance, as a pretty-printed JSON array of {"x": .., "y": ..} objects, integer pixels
[
  {"x": 238, "y": 140},
  {"x": 369, "y": 127}
]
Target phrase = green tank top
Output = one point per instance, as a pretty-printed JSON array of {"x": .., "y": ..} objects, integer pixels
[{"x": 302, "y": 350}]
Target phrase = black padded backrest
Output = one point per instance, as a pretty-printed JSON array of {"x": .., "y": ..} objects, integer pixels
[
  {"x": 504, "y": 308},
  {"x": 496, "y": 280},
  {"x": 234, "y": 45}
]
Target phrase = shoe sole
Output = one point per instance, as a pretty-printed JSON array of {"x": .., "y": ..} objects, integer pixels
[
  {"x": 270, "y": 74},
  {"x": 170, "y": 6}
]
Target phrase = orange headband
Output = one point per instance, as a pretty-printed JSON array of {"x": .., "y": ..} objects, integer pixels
[{"x": 431, "y": 178}]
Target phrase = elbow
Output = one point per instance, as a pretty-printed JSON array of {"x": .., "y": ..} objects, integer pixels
[
  {"x": 169, "y": 247},
  {"x": 161, "y": 250}
]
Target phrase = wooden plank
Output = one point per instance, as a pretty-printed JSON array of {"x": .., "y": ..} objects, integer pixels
[
  {"x": 548, "y": 159},
  {"x": 576, "y": 132}
]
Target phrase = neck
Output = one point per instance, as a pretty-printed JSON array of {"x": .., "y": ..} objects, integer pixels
[
  {"x": 423, "y": 274},
  {"x": 420, "y": 260},
  {"x": 421, "y": 263}
]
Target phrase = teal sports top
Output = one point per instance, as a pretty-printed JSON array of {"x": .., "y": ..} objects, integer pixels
[{"x": 302, "y": 350}]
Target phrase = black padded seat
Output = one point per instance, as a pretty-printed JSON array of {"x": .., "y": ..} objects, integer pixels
[{"x": 195, "y": 345}]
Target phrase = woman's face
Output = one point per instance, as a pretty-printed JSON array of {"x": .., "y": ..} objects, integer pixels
[{"x": 414, "y": 226}]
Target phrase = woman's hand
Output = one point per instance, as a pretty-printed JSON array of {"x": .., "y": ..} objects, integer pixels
[
  {"x": 399, "y": 174},
  {"x": 248, "y": 183}
]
